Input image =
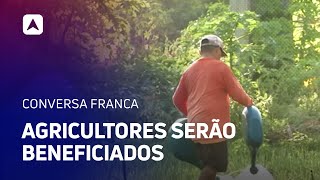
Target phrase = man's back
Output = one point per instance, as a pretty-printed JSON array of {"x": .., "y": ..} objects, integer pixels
[
  {"x": 203, "y": 95},
  {"x": 207, "y": 96},
  {"x": 204, "y": 89}
]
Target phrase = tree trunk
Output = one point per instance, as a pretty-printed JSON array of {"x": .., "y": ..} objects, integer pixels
[{"x": 240, "y": 6}]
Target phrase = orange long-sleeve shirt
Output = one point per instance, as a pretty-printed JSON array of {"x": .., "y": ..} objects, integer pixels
[{"x": 203, "y": 93}]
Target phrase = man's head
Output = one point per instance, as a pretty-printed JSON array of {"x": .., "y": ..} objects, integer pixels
[{"x": 212, "y": 45}]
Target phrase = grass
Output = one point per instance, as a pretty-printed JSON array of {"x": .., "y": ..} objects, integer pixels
[{"x": 286, "y": 161}]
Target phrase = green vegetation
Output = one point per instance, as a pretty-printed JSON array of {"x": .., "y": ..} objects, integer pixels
[
  {"x": 139, "y": 48},
  {"x": 278, "y": 67},
  {"x": 288, "y": 160}
]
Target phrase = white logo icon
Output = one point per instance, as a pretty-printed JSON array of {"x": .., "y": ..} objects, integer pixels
[{"x": 32, "y": 24}]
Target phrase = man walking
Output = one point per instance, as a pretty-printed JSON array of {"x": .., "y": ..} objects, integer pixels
[{"x": 203, "y": 94}]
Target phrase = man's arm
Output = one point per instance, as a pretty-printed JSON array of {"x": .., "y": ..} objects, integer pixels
[
  {"x": 234, "y": 88},
  {"x": 180, "y": 97}
]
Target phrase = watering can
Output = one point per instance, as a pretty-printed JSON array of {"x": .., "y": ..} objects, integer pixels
[
  {"x": 253, "y": 133},
  {"x": 185, "y": 149}
]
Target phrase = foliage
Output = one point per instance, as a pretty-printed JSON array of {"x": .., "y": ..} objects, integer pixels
[
  {"x": 267, "y": 66},
  {"x": 274, "y": 58},
  {"x": 105, "y": 31},
  {"x": 271, "y": 9},
  {"x": 181, "y": 13},
  {"x": 135, "y": 49}
]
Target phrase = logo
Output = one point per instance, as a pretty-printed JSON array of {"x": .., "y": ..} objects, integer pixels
[{"x": 32, "y": 24}]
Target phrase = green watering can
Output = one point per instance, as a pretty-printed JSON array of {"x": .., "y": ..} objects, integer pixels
[{"x": 185, "y": 149}]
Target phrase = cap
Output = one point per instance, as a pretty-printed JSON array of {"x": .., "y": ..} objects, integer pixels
[{"x": 212, "y": 40}]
